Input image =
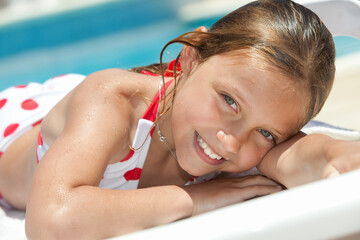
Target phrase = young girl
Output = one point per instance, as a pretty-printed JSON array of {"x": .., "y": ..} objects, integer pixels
[{"x": 110, "y": 158}]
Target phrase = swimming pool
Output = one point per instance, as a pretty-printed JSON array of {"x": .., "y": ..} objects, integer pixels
[{"x": 119, "y": 34}]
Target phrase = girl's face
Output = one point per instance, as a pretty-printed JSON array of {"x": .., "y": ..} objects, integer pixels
[{"x": 229, "y": 113}]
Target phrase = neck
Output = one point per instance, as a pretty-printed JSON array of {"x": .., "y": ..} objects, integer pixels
[
  {"x": 163, "y": 164},
  {"x": 164, "y": 122},
  {"x": 161, "y": 168}
]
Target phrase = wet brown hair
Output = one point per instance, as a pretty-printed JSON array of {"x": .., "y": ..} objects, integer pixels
[{"x": 283, "y": 34}]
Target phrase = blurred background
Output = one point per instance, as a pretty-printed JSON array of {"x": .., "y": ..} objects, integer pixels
[{"x": 40, "y": 39}]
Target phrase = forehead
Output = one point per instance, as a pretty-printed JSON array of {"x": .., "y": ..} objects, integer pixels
[
  {"x": 270, "y": 97},
  {"x": 252, "y": 69}
]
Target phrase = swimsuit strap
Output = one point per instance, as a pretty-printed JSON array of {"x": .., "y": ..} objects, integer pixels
[
  {"x": 169, "y": 72},
  {"x": 150, "y": 113}
]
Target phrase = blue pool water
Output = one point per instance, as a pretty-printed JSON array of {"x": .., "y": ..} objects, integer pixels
[{"x": 119, "y": 34}]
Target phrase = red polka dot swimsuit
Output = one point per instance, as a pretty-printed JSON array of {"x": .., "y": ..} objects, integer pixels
[
  {"x": 23, "y": 107},
  {"x": 125, "y": 174}
]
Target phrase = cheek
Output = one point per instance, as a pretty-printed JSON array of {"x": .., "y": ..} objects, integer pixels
[
  {"x": 196, "y": 109},
  {"x": 180, "y": 120},
  {"x": 250, "y": 156}
]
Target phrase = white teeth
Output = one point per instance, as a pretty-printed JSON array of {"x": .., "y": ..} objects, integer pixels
[
  {"x": 207, "y": 150},
  {"x": 213, "y": 156}
]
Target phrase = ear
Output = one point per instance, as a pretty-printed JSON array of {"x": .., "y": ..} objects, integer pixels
[
  {"x": 188, "y": 59},
  {"x": 189, "y": 55},
  {"x": 201, "y": 29}
]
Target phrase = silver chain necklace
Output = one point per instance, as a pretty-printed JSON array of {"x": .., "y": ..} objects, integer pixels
[{"x": 162, "y": 138}]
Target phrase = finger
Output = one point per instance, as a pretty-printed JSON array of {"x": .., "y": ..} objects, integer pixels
[
  {"x": 341, "y": 165},
  {"x": 256, "y": 180},
  {"x": 257, "y": 191},
  {"x": 330, "y": 171},
  {"x": 347, "y": 163},
  {"x": 228, "y": 141}
]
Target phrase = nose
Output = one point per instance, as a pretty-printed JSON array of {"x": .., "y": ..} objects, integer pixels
[{"x": 229, "y": 142}]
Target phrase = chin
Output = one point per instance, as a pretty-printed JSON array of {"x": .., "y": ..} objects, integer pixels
[
  {"x": 193, "y": 170},
  {"x": 190, "y": 162}
]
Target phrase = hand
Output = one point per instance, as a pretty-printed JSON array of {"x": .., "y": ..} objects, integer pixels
[
  {"x": 223, "y": 192},
  {"x": 344, "y": 156}
]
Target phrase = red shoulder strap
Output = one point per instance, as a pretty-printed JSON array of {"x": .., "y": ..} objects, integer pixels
[{"x": 150, "y": 113}]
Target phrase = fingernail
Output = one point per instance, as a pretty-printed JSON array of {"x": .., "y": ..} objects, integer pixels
[
  {"x": 220, "y": 133},
  {"x": 333, "y": 174}
]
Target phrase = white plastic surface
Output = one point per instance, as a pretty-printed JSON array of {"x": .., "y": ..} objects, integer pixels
[{"x": 327, "y": 209}]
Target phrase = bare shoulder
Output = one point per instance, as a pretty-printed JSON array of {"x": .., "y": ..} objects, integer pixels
[
  {"x": 107, "y": 104},
  {"x": 126, "y": 91},
  {"x": 122, "y": 80}
]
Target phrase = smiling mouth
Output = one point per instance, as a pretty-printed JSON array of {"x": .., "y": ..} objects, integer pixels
[{"x": 203, "y": 145}]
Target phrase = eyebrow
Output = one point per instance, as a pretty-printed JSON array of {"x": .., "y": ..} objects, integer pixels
[
  {"x": 278, "y": 134},
  {"x": 285, "y": 135},
  {"x": 237, "y": 95}
]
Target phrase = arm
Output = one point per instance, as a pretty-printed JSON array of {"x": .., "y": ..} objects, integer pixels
[
  {"x": 306, "y": 158},
  {"x": 65, "y": 201}
]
